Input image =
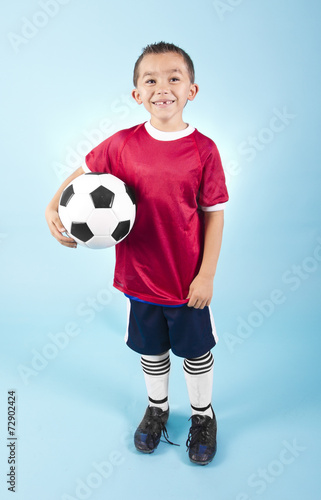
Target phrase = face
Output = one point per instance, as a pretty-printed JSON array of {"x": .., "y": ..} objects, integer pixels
[{"x": 164, "y": 87}]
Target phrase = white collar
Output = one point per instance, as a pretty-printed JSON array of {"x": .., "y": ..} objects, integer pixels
[{"x": 160, "y": 135}]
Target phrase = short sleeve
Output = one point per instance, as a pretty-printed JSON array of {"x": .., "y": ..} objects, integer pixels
[
  {"x": 100, "y": 159},
  {"x": 213, "y": 193}
]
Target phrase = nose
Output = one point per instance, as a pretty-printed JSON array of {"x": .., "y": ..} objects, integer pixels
[{"x": 162, "y": 88}]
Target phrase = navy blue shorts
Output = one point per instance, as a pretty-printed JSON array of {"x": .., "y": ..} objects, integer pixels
[{"x": 154, "y": 329}]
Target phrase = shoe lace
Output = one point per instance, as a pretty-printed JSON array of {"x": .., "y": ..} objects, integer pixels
[
  {"x": 154, "y": 425},
  {"x": 198, "y": 433}
]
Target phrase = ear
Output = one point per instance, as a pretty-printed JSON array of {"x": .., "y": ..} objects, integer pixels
[
  {"x": 136, "y": 96},
  {"x": 193, "y": 91}
]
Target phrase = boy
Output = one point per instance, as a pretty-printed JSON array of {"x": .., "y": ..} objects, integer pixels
[{"x": 166, "y": 265}]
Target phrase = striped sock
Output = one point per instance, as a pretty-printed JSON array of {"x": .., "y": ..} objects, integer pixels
[
  {"x": 199, "y": 380},
  {"x": 156, "y": 373}
]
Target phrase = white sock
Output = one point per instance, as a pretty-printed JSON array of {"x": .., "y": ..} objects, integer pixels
[
  {"x": 199, "y": 380},
  {"x": 156, "y": 372}
]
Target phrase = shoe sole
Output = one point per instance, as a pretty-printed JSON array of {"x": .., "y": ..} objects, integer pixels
[
  {"x": 201, "y": 463},
  {"x": 146, "y": 452}
]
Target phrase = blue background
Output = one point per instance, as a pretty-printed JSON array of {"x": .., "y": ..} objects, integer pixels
[{"x": 66, "y": 83}]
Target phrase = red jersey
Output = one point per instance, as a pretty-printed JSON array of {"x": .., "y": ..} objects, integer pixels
[{"x": 176, "y": 176}]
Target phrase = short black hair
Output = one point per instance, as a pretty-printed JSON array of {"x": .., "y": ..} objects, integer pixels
[{"x": 163, "y": 48}]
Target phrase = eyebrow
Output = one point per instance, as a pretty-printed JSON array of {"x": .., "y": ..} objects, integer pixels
[{"x": 151, "y": 73}]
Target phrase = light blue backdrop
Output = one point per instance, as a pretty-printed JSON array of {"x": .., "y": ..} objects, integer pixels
[{"x": 66, "y": 82}]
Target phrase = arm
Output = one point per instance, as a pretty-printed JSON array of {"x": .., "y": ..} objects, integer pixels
[
  {"x": 201, "y": 289},
  {"x": 52, "y": 217}
]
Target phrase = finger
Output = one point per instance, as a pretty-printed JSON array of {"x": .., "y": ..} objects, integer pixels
[
  {"x": 55, "y": 230},
  {"x": 58, "y": 224},
  {"x": 190, "y": 302},
  {"x": 200, "y": 303},
  {"x": 63, "y": 240},
  {"x": 68, "y": 242},
  {"x": 205, "y": 303},
  {"x": 194, "y": 302}
]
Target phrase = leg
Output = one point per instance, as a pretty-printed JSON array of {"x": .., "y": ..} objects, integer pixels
[
  {"x": 147, "y": 334},
  {"x": 201, "y": 441},
  {"x": 192, "y": 335},
  {"x": 156, "y": 372},
  {"x": 199, "y": 380}
]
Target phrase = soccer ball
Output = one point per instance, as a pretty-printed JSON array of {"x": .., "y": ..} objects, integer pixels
[{"x": 97, "y": 210}]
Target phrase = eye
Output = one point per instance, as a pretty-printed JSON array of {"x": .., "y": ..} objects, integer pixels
[
  {"x": 150, "y": 81},
  {"x": 174, "y": 79}
]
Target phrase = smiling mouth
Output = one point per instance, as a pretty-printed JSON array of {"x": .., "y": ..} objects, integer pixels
[{"x": 162, "y": 104}]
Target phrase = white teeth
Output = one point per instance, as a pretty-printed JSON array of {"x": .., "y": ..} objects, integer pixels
[{"x": 163, "y": 102}]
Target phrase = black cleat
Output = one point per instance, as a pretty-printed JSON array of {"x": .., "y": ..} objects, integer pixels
[
  {"x": 148, "y": 433},
  {"x": 201, "y": 441}
]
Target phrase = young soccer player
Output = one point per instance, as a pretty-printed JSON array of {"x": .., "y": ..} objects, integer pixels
[{"x": 166, "y": 265}]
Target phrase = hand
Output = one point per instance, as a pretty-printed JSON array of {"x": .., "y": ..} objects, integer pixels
[
  {"x": 56, "y": 228},
  {"x": 200, "y": 292}
]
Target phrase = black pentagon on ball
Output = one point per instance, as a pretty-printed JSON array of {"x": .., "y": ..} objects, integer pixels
[
  {"x": 67, "y": 195},
  {"x": 81, "y": 231},
  {"x": 102, "y": 197},
  {"x": 131, "y": 194},
  {"x": 121, "y": 230}
]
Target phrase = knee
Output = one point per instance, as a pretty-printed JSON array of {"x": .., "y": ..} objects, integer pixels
[{"x": 198, "y": 366}]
